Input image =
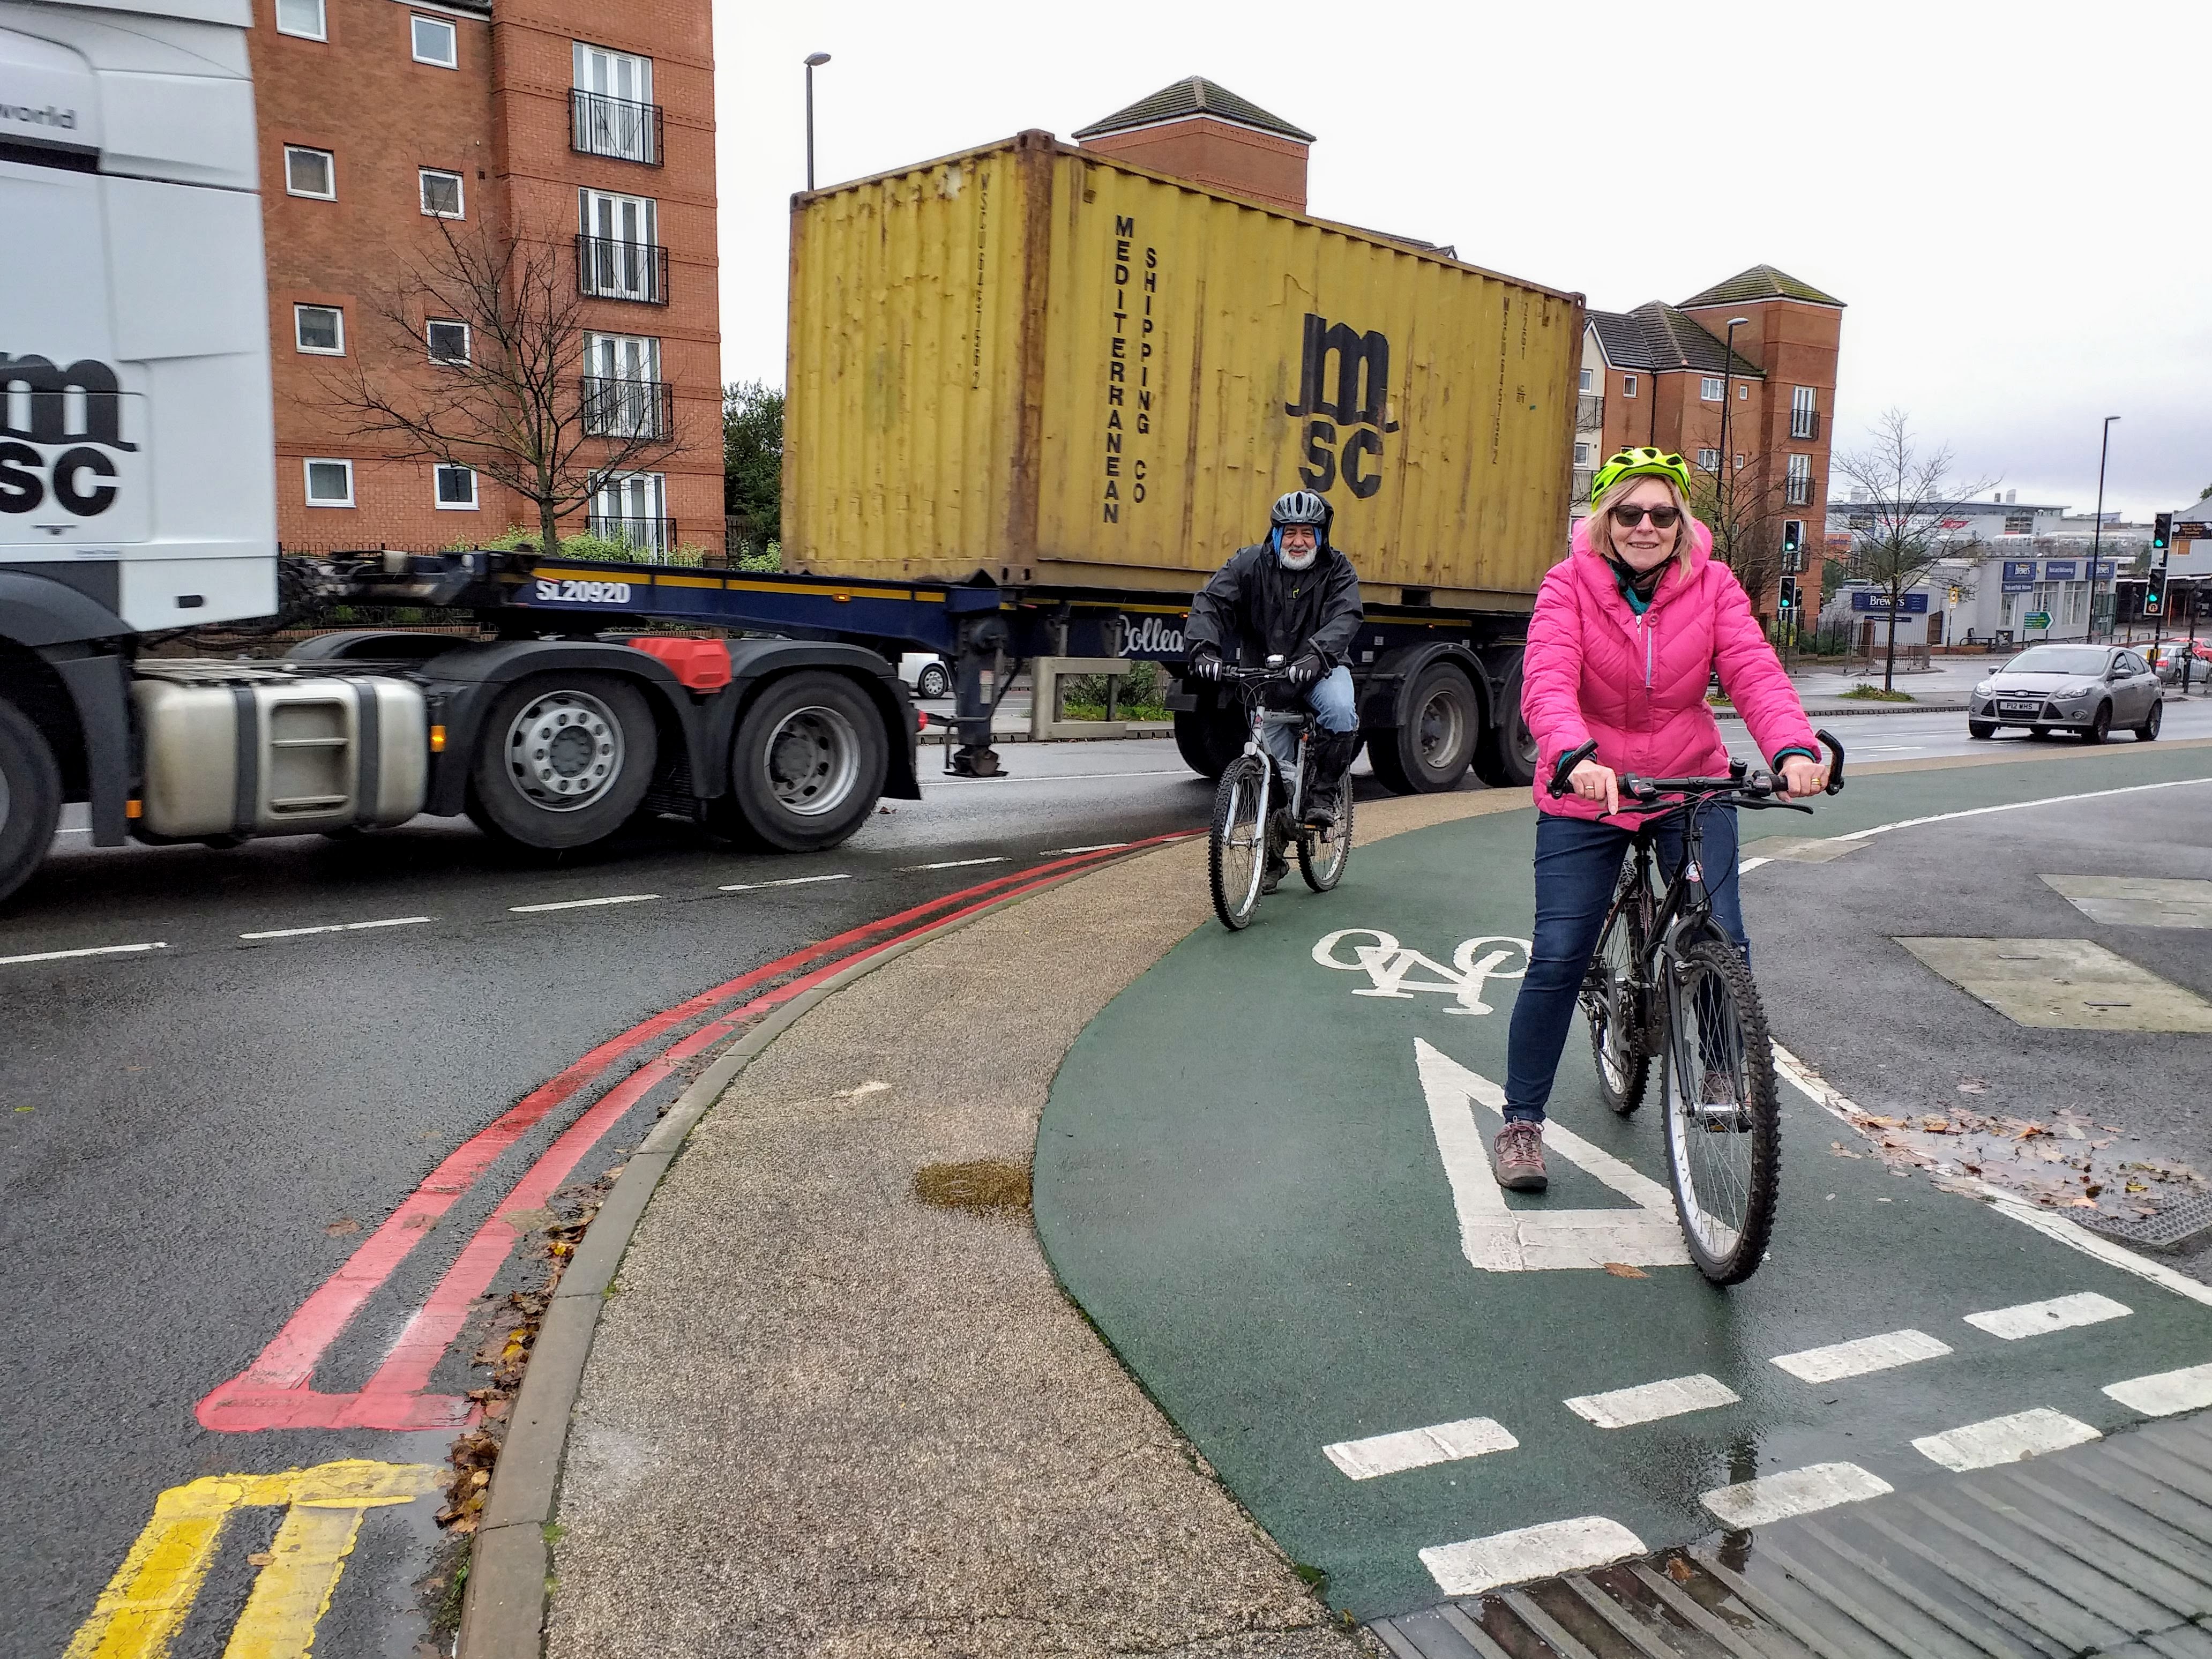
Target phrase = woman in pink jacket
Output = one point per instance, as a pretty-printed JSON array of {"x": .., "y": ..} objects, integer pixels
[{"x": 1626, "y": 633}]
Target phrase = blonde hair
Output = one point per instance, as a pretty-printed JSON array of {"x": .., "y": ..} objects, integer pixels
[{"x": 1601, "y": 515}]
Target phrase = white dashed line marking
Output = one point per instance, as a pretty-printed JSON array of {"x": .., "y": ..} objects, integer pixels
[
  {"x": 2164, "y": 1393},
  {"x": 1513, "y": 1557},
  {"x": 2005, "y": 1439},
  {"x": 1416, "y": 1448},
  {"x": 2061, "y": 1313},
  {"x": 94, "y": 951},
  {"x": 958, "y": 864},
  {"x": 1856, "y": 1358},
  {"x": 340, "y": 927},
  {"x": 1749, "y": 865},
  {"x": 581, "y": 904},
  {"x": 1103, "y": 847},
  {"x": 1794, "y": 1492},
  {"x": 1650, "y": 1401},
  {"x": 1065, "y": 777},
  {"x": 788, "y": 881}
]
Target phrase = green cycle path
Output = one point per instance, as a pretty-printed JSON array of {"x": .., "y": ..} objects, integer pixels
[{"x": 1261, "y": 1174}]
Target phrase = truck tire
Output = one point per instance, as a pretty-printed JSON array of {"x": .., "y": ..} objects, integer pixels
[
  {"x": 1431, "y": 751},
  {"x": 1208, "y": 739},
  {"x": 806, "y": 766},
  {"x": 1505, "y": 755},
  {"x": 30, "y": 799},
  {"x": 562, "y": 760}
]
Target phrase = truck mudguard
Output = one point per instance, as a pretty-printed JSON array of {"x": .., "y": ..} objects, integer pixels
[
  {"x": 1387, "y": 686},
  {"x": 64, "y": 628}
]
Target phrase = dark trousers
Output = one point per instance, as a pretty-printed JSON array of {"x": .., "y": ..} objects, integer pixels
[{"x": 1578, "y": 866}]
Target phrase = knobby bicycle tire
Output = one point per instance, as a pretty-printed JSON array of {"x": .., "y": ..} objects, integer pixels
[
  {"x": 1235, "y": 889},
  {"x": 1611, "y": 1007},
  {"x": 1727, "y": 1249},
  {"x": 1323, "y": 873}
]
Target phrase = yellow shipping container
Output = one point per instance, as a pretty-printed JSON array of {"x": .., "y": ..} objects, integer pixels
[{"x": 1059, "y": 370}]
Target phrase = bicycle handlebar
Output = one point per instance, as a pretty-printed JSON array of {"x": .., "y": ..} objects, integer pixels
[{"x": 1754, "y": 788}]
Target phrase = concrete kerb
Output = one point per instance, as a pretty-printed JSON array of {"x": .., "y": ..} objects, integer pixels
[{"x": 503, "y": 1609}]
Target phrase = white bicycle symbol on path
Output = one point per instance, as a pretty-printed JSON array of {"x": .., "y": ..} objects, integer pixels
[
  {"x": 1390, "y": 966},
  {"x": 1493, "y": 1235}
]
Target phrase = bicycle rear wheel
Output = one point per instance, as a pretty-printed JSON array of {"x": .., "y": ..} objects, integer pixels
[
  {"x": 1236, "y": 849},
  {"x": 1613, "y": 1006},
  {"x": 1724, "y": 1124},
  {"x": 1321, "y": 861}
]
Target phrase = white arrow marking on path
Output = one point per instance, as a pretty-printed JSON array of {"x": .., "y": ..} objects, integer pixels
[{"x": 1499, "y": 1240}]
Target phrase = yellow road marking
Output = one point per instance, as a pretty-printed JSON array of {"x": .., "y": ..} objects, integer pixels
[{"x": 144, "y": 1605}]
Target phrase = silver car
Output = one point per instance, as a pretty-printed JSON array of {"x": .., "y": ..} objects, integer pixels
[{"x": 2084, "y": 689}]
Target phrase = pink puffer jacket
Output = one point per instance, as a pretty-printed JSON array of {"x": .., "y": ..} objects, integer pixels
[{"x": 1596, "y": 669}]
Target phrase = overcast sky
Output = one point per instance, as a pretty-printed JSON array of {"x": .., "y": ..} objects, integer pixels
[{"x": 2010, "y": 198}]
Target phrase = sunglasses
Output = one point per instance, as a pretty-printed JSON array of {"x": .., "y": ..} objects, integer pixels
[{"x": 1662, "y": 518}]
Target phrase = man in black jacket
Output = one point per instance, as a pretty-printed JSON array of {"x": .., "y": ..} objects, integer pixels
[{"x": 1293, "y": 596}]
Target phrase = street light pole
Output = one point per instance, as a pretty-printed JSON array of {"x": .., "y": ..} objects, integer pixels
[
  {"x": 814, "y": 61},
  {"x": 1727, "y": 491},
  {"x": 2097, "y": 533}
]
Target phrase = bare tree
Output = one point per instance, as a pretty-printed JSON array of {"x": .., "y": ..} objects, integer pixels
[
  {"x": 1745, "y": 511},
  {"x": 509, "y": 394},
  {"x": 1899, "y": 533}
]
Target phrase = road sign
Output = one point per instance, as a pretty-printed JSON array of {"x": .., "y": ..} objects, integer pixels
[
  {"x": 1914, "y": 605},
  {"x": 2038, "y": 619}
]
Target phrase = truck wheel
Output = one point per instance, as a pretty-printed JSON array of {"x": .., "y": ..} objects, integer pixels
[
  {"x": 1208, "y": 739},
  {"x": 30, "y": 799},
  {"x": 1506, "y": 756},
  {"x": 807, "y": 764},
  {"x": 1429, "y": 752},
  {"x": 562, "y": 760}
]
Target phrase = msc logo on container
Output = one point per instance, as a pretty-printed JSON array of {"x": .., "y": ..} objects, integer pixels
[
  {"x": 76, "y": 410},
  {"x": 1361, "y": 405}
]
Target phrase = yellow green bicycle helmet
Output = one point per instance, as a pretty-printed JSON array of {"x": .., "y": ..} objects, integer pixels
[{"x": 1639, "y": 464}]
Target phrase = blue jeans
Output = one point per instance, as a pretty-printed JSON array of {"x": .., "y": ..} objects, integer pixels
[
  {"x": 1578, "y": 866},
  {"x": 1335, "y": 710}
]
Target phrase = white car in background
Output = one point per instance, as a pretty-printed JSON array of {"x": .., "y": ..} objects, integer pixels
[{"x": 927, "y": 674}]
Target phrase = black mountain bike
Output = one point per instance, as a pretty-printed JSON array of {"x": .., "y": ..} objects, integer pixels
[
  {"x": 1666, "y": 981},
  {"x": 1259, "y": 814}
]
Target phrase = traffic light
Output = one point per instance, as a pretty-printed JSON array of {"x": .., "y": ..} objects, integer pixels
[
  {"x": 1792, "y": 531},
  {"x": 2162, "y": 532},
  {"x": 2154, "y": 592},
  {"x": 1789, "y": 593}
]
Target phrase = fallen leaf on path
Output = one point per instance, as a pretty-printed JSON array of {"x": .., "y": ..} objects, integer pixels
[
  {"x": 1972, "y": 1086},
  {"x": 343, "y": 1226},
  {"x": 259, "y": 1559},
  {"x": 1622, "y": 1270},
  {"x": 1835, "y": 1149},
  {"x": 1937, "y": 1125}
]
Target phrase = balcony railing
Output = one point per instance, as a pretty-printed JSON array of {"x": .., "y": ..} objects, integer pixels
[
  {"x": 1804, "y": 422},
  {"x": 617, "y": 408},
  {"x": 1797, "y": 491},
  {"x": 1582, "y": 474},
  {"x": 1590, "y": 410},
  {"x": 645, "y": 535},
  {"x": 608, "y": 268},
  {"x": 620, "y": 127}
]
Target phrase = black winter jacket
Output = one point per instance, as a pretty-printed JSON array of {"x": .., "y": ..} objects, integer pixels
[{"x": 1252, "y": 609}]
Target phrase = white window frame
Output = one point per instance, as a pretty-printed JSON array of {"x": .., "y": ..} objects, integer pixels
[
  {"x": 437, "y": 497},
  {"x": 322, "y": 29},
  {"x": 593, "y": 66},
  {"x": 1587, "y": 377},
  {"x": 595, "y": 208},
  {"x": 299, "y": 342},
  {"x": 1711, "y": 388},
  {"x": 1628, "y": 385},
  {"x": 416, "y": 21},
  {"x": 1581, "y": 454},
  {"x": 468, "y": 341},
  {"x": 307, "y": 479},
  {"x": 330, "y": 163},
  {"x": 1709, "y": 460},
  {"x": 614, "y": 493},
  {"x": 1801, "y": 399},
  {"x": 1799, "y": 470},
  {"x": 422, "y": 178}
]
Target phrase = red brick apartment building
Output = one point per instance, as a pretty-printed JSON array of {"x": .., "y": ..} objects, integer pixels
[
  {"x": 584, "y": 126},
  {"x": 1660, "y": 374}
]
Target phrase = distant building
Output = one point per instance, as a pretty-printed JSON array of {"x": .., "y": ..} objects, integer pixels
[
  {"x": 1660, "y": 374},
  {"x": 1195, "y": 130}
]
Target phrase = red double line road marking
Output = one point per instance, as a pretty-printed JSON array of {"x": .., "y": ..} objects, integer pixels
[{"x": 276, "y": 1391}]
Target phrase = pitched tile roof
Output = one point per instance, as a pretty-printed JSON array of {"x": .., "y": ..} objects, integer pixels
[
  {"x": 1762, "y": 283},
  {"x": 1194, "y": 95},
  {"x": 1657, "y": 337}
]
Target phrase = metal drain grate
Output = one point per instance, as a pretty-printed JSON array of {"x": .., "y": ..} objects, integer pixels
[{"x": 2169, "y": 1230}]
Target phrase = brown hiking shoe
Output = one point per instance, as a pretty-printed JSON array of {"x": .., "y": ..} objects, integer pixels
[{"x": 1517, "y": 1158}]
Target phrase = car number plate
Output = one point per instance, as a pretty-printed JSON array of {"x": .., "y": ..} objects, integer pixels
[{"x": 2019, "y": 708}]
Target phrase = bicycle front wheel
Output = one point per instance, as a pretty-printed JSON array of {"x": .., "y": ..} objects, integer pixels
[
  {"x": 1322, "y": 860},
  {"x": 1724, "y": 1124},
  {"x": 1612, "y": 1005},
  {"x": 1237, "y": 850}
]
